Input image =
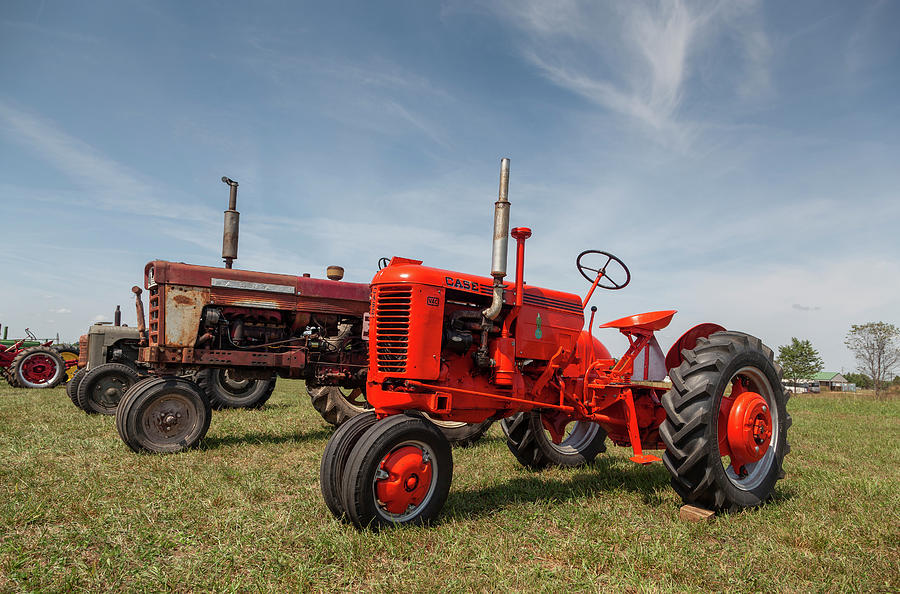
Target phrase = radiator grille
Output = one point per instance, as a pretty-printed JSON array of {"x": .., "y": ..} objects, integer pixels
[
  {"x": 392, "y": 306},
  {"x": 153, "y": 319},
  {"x": 82, "y": 351}
]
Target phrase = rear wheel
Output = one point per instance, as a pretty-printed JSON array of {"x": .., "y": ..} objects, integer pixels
[
  {"x": 72, "y": 386},
  {"x": 38, "y": 367},
  {"x": 337, "y": 404},
  {"x": 163, "y": 415},
  {"x": 529, "y": 440},
  {"x": 726, "y": 423},
  {"x": 334, "y": 459},
  {"x": 70, "y": 356},
  {"x": 101, "y": 388},
  {"x": 399, "y": 472},
  {"x": 5, "y": 374},
  {"x": 461, "y": 434},
  {"x": 226, "y": 391}
]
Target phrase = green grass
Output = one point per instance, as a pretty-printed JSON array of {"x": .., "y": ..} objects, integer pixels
[{"x": 79, "y": 511}]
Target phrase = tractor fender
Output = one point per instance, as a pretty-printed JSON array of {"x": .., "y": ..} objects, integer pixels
[{"x": 688, "y": 340}]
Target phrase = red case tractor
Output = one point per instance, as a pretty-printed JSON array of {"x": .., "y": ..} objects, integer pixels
[{"x": 468, "y": 348}]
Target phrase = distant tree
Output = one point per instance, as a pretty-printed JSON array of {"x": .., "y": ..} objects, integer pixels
[
  {"x": 876, "y": 346},
  {"x": 799, "y": 360},
  {"x": 860, "y": 379}
]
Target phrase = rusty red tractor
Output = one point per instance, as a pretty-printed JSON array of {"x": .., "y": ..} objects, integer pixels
[
  {"x": 212, "y": 334},
  {"x": 467, "y": 348}
]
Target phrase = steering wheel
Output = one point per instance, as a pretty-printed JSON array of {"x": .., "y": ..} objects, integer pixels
[
  {"x": 382, "y": 262},
  {"x": 606, "y": 258}
]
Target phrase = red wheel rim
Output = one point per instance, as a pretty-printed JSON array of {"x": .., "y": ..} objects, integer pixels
[
  {"x": 39, "y": 369},
  {"x": 745, "y": 426},
  {"x": 404, "y": 479}
]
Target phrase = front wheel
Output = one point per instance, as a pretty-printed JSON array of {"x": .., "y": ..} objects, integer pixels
[
  {"x": 72, "y": 386},
  {"x": 101, "y": 388},
  {"x": 163, "y": 415},
  {"x": 399, "y": 472},
  {"x": 529, "y": 440},
  {"x": 334, "y": 460},
  {"x": 726, "y": 423}
]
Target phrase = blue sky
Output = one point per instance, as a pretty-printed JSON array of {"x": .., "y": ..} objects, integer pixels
[{"x": 741, "y": 157}]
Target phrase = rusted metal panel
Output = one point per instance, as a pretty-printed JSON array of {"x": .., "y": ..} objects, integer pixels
[
  {"x": 183, "y": 309},
  {"x": 293, "y": 359},
  {"x": 172, "y": 273},
  {"x": 252, "y": 299}
]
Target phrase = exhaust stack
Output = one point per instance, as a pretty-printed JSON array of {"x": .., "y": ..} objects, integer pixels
[
  {"x": 232, "y": 221},
  {"x": 501, "y": 242}
]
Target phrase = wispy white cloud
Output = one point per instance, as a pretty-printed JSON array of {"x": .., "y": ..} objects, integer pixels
[
  {"x": 636, "y": 61},
  {"x": 110, "y": 185}
]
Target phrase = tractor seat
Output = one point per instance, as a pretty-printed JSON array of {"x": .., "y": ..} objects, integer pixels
[{"x": 651, "y": 321}]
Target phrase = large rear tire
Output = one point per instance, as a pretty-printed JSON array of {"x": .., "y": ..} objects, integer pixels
[
  {"x": 530, "y": 442},
  {"x": 334, "y": 460},
  {"x": 703, "y": 450},
  {"x": 163, "y": 415},
  {"x": 337, "y": 404},
  {"x": 223, "y": 391},
  {"x": 398, "y": 473},
  {"x": 101, "y": 388},
  {"x": 38, "y": 367}
]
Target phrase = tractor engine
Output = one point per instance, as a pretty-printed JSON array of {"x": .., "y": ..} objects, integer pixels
[{"x": 255, "y": 323}]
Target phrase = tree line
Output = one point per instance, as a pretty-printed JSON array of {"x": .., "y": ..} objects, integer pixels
[{"x": 875, "y": 345}]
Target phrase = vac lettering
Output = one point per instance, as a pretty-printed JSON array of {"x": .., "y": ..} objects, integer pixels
[{"x": 457, "y": 283}]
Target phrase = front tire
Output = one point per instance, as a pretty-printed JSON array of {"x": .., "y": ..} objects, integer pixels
[
  {"x": 72, "y": 386},
  {"x": 532, "y": 446},
  {"x": 702, "y": 450},
  {"x": 101, "y": 388},
  {"x": 398, "y": 473},
  {"x": 334, "y": 460},
  {"x": 163, "y": 415}
]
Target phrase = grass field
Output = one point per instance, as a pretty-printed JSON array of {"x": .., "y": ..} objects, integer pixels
[{"x": 79, "y": 511}]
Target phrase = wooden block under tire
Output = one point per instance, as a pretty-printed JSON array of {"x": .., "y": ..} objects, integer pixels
[{"x": 692, "y": 513}]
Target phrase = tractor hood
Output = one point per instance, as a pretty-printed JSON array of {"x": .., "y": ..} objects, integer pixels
[
  {"x": 406, "y": 271},
  {"x": 178, "y": 273}
]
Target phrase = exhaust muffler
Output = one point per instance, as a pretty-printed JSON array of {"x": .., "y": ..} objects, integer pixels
[
  {"x": 232, "y": 221},
  {"x": 501, "y": 242}
]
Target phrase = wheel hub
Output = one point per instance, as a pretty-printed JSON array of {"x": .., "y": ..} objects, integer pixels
[
  {"x": 404, "y": 479},
  {"x": 749, "y": 430},
  {"x": 38, "y": 369},
  {"x": 168, "y": 421}
]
